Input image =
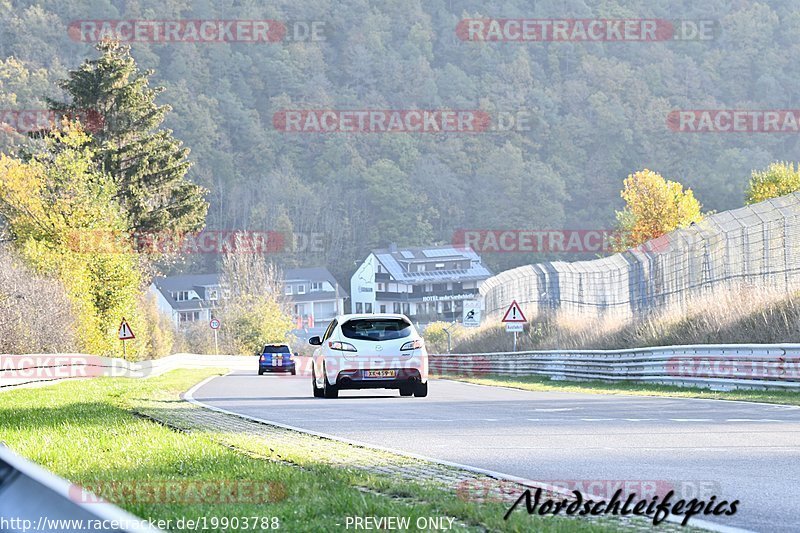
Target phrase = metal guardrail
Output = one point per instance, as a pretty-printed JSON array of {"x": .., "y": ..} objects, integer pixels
[
  {"x": 738, "y": 366},
  {"x": 718, "y": 367},
  {"x": 33, "y": 499}
]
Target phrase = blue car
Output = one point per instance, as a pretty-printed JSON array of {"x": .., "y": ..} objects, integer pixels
[{"x": 276, "y": 358}]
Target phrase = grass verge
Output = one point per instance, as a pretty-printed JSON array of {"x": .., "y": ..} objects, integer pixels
[
  {"x": 545, "y": 384},
  {"x": 93, "y": 433}
]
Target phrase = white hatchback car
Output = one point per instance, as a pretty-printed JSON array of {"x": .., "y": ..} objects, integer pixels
[{"x": 375, "y": 351}]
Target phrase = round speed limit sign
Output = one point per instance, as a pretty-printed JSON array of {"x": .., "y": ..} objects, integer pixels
[{"x": 214, "y": 323}]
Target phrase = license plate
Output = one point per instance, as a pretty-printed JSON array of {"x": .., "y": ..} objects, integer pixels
[{"x": 380, "y": 374}]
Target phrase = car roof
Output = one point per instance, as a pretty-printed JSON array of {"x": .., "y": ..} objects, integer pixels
[{"x": 342, "y": 318}]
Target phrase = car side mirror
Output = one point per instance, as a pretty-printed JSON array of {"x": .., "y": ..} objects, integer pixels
[{"x": 315, "y": 341}]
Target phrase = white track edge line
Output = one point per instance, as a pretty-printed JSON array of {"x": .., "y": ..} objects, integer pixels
[
  {"x": 189, "y": 396},
  {"x": 784, "y": 405}
]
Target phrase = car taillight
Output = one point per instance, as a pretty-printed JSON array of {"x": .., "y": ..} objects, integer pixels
[
  {"x": 263, "y": 357},
  {"x": 341, "y": 346},
  {"x": 412, "y": 345}
]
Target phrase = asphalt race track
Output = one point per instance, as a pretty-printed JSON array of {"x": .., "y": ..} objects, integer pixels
[{"x": 734, "y": 450}]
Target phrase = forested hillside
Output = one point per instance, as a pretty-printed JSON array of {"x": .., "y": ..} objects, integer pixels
[{"x": 597, "y": 112}]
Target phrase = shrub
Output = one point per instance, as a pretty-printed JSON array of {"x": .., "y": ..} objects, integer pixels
[
  {"x": 776, "y": 180},
  {"x": 36, "y": 315}
]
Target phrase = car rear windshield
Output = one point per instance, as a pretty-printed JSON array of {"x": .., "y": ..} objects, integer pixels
[
  {"x": 276, "y": 349},
  {"x": 381, "y": 329}
]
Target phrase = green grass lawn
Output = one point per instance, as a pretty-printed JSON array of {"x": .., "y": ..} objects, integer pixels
[
  {"x": 87, "y": 431},
  {"x": 545, "y": 384}
]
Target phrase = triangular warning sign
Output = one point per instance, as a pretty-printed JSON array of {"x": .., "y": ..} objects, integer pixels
[
  {"x": 514, "y": 313},
  {"x": 125, "y": 332}
]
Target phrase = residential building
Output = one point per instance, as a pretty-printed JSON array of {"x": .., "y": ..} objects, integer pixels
[
  {"x": 314, "y": 294},
  {"x": 188, "y": 298},
  {"x": 426, "y": 284}
]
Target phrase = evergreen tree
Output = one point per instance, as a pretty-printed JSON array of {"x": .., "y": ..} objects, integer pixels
[{"x": 147, "y": 164}]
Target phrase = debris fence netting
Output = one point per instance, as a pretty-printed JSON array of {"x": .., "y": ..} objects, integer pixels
[{"x": 757, "y": 245}]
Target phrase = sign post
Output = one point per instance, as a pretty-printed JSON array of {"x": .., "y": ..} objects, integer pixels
[
  {"x": 215, "y": 324},
  {"x": 125, "y": 333},
  {"x": 514, "y": 320},
  {"x": 471, "y": 317}
]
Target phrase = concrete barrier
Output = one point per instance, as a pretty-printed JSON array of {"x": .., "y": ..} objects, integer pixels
[
  {"x": 33, "y": 499},
  {"x": 16, "y": 370}
]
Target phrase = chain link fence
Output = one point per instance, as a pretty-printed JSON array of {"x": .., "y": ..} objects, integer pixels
[{"x": 757, "y": 245}]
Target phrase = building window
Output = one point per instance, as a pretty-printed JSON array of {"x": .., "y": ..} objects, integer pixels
[
  {"x": 381, "y": 287},
  {"x": 406, "y": 308},
  {"x": 439, "y": 266},
  {"x": 180, "y": 296},
  {"x": 421, "y": 268},
  {"x": 383, "y": 308},
  {"x": 316, "y": 286},
  {"x": 396, "y": 307},
  {"x": 428, "y": 287},
  {"x": 368, "y": 308},
  {"x": 189, "y": 316},
  {"x": 288, "y": 290},
  {"x": 301, "y": 289},
  {"x": 359, "y": 307}
]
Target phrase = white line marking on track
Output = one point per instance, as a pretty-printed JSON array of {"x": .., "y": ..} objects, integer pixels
[
  {"x": 189, "y": 396},
  {"x": 631, "y": 395},
  {"x": 753, "y": 420}
]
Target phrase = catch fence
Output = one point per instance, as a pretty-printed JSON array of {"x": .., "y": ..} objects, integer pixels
[{"x": 755, "y": 245}]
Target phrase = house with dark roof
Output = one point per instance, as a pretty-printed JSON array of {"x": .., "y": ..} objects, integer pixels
[
  {"x": 188, "y": 298},
  {"x": 424, "y": 283},
  {"x": 315, "y": 296}
]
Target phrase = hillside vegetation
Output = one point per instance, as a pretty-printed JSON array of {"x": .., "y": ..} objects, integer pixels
[{"x": 594, "y": 112}]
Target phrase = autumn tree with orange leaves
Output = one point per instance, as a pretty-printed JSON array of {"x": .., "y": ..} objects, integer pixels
[{"x": 653, "y": 206}]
